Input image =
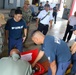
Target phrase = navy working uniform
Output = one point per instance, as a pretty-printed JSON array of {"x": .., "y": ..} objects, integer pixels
[
  {"x": 15, "y": 33},
  {"x": 56, "y": 49},
  {"x": 40, "y": 8},
  {"x": 55, "y": 14}
]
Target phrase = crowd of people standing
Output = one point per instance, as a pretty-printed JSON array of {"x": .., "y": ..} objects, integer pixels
[{"x": 56, "y": 50}]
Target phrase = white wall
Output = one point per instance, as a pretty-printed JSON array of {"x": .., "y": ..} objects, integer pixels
[{"x": 68, "y": 3}]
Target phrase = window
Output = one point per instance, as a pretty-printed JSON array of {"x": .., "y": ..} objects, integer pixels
[{"x": 10, "y": 1}]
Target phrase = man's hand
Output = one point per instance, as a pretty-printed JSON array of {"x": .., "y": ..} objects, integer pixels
[
  {"x": 28, "y": 23},
  {"x": 24, "y": 39},
  {"x": 33, "y": 65},
  {"x": 73, "y": 48},
  {"x": 40, "y": 55},
  {"x": 74, "y": 32},
  {"x": 37, "y": 25},
  {"x": 50, "y": 26},
  {"x": 37, "y": 22},
  {"x": 25, "y": 34},
  {"x": 53, "y": 67}
]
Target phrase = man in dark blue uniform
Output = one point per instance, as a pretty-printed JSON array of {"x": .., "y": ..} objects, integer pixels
[
  {"x": 14, "y": 28},
  {"x": 40, "y": 8},
  {"x": 55, "y": 10},
  {"x": 56, "y": 50}
]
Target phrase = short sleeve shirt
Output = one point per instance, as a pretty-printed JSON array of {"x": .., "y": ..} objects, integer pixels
[
  {"x": 40, "y": 8},
  {"x": 55, "y": 9},
  {"x": 72, "y": 20},
  {"x": 56, "y": 49},
  {"x": 48, "y": 18},
  {"x": 15, "y": 28}
]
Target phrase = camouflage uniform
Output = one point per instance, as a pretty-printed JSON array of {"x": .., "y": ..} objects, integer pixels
[
  {"x": 27, "y": 18},
  {"x": 1, "y": 38},
  {"x": 2, "y": 23},
  {"x": 27, "y": 15}
]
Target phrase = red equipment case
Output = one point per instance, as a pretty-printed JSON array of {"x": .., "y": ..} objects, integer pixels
[{"x": 30, "y": 56}]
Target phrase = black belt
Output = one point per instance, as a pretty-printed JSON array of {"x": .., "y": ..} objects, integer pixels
[{"x": 44, "y": 24}]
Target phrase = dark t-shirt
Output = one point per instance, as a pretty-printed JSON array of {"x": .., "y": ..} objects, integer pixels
[
  {"x": 15, "y": 28},
  {"x": 56, "y": 49},
  {"x": 40, "y": 8},
  {"x": 55, "y": 9}
]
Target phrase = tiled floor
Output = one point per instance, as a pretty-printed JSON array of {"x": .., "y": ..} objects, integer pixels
[{"x": 59, "y": 28}]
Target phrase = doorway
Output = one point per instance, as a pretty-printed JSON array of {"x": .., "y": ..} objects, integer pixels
[{"x": 35, "y": 1}]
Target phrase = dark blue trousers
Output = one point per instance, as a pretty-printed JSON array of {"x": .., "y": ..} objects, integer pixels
[
  {"x": 68, "y": 32},
  {"x": 61, "y": 68},
  {"x": 15, "y": 43},
  {"x": 55, "y": 16}
]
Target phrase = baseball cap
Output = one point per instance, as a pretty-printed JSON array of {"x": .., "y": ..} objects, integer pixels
[
  {"x": 74, "y": 28},
  {"x": 2, "y": 19},
  {"x": 47, "y": 5},
  {"x": 27, "y": 2}
]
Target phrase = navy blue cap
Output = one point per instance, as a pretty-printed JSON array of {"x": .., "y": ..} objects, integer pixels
[{"x": 74, "y": 28}]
